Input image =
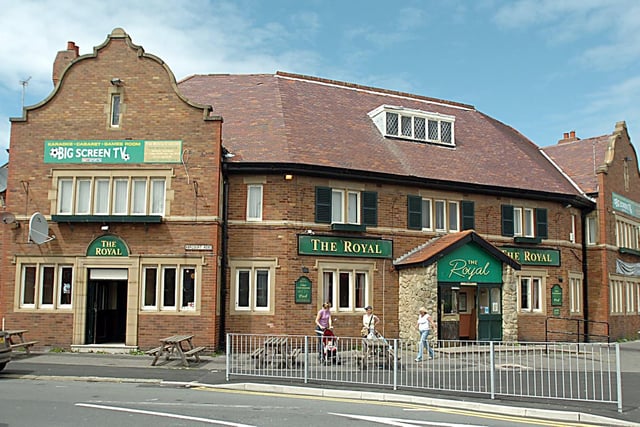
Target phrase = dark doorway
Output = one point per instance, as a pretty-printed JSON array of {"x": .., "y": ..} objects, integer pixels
[{"x": 106, "y": 311}]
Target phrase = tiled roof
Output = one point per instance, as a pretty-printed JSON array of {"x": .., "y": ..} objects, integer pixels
[
  {"x": 285, "y": 118},
  {"x": 579, "y": 159},
  {"x": 438, "y": 247}
]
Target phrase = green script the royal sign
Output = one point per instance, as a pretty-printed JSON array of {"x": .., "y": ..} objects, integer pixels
[
  {"x": 470, "y": 263},
  {"x": 112, "y": 151},
  {"x": 530, "y": 256},
  {"x": 344, "y": 246},
  {"x": 108, "y": 246}
]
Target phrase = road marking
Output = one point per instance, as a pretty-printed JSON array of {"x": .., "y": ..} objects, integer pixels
[
  {"x": 163, "y": 414},
  {"x": 399, "y": 422}
]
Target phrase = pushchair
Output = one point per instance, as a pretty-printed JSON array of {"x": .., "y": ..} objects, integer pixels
[{"x": 330, "y": 348}]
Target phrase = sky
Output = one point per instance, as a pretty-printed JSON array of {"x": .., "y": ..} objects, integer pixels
[{"x": 544, "y": 67}]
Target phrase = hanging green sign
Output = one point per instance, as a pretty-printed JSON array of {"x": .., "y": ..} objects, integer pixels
[
  {"x": 303, "y": 290},
  {"x": 556, "y": 295},
  {"x": 344, "y": 246},
  {"x": 470, "y": 263}
]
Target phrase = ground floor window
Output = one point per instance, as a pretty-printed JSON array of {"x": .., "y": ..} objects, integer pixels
[
  {"x": 348, "y": 287},
  {"x": 44, "y": 285},
  {"x": 530, "y": 292},
  {"x": 169, "y": 287},
  {"x": 253, "y": 282}
]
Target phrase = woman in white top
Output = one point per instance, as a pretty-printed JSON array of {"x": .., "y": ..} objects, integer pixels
[
  {"x": 370, "y": 320},
  {"x": 424, "y": 326}
]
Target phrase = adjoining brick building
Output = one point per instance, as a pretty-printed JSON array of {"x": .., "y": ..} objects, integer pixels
[
  {"x": 606, "y": 168},
  {"x": 323, "y": 191},
  {"x": 114, "y": 182}
]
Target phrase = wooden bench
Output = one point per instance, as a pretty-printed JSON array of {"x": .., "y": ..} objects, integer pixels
[
  {"x": 153, "y": 351},
  {"x": 26, "y": 345},
  {"x": 258, "y": 354},
  {"x": 195, "y": 352},
  {"x": 293, "y": 356}
]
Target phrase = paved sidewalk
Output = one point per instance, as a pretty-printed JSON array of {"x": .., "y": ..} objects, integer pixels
[{"x": 211, "y": 373}]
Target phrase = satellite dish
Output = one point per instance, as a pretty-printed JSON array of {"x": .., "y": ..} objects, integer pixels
[
  {"x": 39, "y": 229},
  {"x": 7, "y": 218}
]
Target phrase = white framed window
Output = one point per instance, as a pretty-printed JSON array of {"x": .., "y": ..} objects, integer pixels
[
  {"x": 630, "y": 297},
  {"x": 414, "y": 124},
  {"x": 426, "y": 214},
  {"x": 572, "y": 235},
  {"x": 115, "y": 110},
  {"x": 168, "y": 287},
  {"x": 345, "y": 206},
  {"x": 454, "y": 216},
  {"x": 530, "y": 293},
  {"x": 440, "y": 215},
  {"x": 517, "y": 221},
  {"x": 627, "y": 233},
  {"x": 616, "y": 295},
  {"x": 254, "y": 202},
  {"x": 100, "y": 193},
  {"x": 528, "y": 223},
  {"x": 347, "y": 286},
  {"x": 45, "y": 286},
  {"x": 254, "y": 283},
  {"x": 575, "y": 293},
  {"x": 592, "y": 230}
]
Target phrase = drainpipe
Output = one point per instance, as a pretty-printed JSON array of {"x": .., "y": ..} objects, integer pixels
[
  {"x": 585, "y": 276},
  {"x": 224, "y": 258}
]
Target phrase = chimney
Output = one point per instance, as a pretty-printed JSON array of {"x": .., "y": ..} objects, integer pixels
[
  {"x": 568, "y": 137},
  {"x": 64, "y": 58}
]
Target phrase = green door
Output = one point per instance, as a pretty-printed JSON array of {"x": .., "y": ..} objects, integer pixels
[{"x": 489, "y": 312}]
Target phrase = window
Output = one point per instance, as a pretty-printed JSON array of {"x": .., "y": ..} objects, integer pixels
[
  {"x": 616, "y": 289},
  {"x": 524, "y": 222},
  {"x": 575, "y": 293},
  {"x": 441, "y": 215},
  {"x": 115, "y": 110},
  {"x": 254, "y": 202},
  {"x": 346, "y": 286},
  {"x": 530, "y": 294},
  {"x": 627, "y": 233},
  {"x": 572, "y": 235},
  {"x": 254, "y": 282},
  {"x": 346, "y": 206},
  {"x": 111, "y": 195},
  {"x": 591, "y": 230},
  {"x": 45, "y": 286},
  {"x": 169, "y": 287},
  {"x": 630, "y": 298},
  {"x": 414, "y": 124}
]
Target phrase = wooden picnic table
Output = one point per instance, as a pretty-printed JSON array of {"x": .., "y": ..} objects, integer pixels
[
  {"x": 277, "y": 351},
  {"x": 16, "y": 340},
  {"x": 182, "y": 345}
]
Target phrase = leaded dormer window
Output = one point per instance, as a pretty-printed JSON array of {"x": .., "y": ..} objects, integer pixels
[{"x": 421, "y": 126}]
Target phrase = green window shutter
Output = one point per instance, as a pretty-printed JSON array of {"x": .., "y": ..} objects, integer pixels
[
  {"x": 468, "y": 216},
  {"x": 414, "y": 212},
  {"x": 541, "y": 223},
  {"x": 370, "y": 208},
  {"x": 323, "y": 205},
  {"x": 507, "y": 220}
]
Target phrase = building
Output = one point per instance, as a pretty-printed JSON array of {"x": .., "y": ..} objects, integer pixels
[
  {"x": 312, "y": 190},
  {"x": 332, "y": 185},
  {"x": 606, "y": 168},
  {"x": 114, "y": 181}
]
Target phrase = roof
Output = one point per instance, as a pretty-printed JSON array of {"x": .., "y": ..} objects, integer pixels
[
  {"x": 291, "y": 119},
  {"x": 438, "y": 247},
  {"x": 580, "y": 159}
]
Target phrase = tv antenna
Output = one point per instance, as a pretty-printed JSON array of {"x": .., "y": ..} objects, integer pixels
[{"x": 24, "y": 84}]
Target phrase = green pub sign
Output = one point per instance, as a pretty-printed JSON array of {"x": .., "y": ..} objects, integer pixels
[
  {"x": 108, "y": 246},
  {"x": 470, "y": 263},
  {"x": 534, "y": 256},
  {"x": 344, "y": 246},
  {"x": 303, "y": 290},
  {"x": 556, "y": 295}
]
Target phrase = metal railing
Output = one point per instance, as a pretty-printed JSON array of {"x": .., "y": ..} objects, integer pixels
[
  {"x": 574, "y": 333},
  {"x": 570, "y": 371}
]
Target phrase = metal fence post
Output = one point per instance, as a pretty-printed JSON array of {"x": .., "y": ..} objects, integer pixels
[
  {"x": 492, "y": 358},
  {"x": 619, "y": 377},
  {"x": 306, "y": 359},
  {"x": 228, "y": 361},
  {"x": 395, "y": 363}
]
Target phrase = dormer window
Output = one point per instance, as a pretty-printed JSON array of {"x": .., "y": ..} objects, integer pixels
[{"x": 412, "y": 124}]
